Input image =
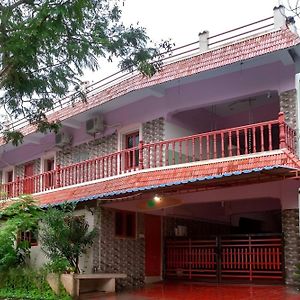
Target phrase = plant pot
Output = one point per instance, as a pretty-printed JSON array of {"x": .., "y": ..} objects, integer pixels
[
  {"x": 66, "y": 280},
  {"x": 69, "y": 283},
  {"x": 54, "y": 282}
]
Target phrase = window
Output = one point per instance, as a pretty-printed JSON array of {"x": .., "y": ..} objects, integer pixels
[
  {"x": 125, "y": 224},
  {"x": 28, "y": 236},
  {"x": 8, "y": 178}
]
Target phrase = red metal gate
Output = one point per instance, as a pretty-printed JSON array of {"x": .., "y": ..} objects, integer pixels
[
  {"x": 232, "y": 257},
  {"x": 251, "y": 257},
  {"x": 191, "y": 258}
]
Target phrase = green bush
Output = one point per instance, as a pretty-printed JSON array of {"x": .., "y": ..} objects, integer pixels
[
  {"x": 64, "y": 235},
  {"x": 26, "y": 283},
  {"x": 20, "y": 216},
  {"x": 59, "y": 265}
]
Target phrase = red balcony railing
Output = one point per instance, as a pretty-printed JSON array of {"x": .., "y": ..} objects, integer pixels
[{"x": 254, "y": 138}]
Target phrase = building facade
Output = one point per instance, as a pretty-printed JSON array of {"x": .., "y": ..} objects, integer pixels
[{"x": 192, "y": 173}]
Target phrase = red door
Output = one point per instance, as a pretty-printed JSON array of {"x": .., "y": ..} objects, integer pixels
[
  {"x": 132, "y": 157},
  {"x": 49, "y": 176},
  {"x": 28, "y": 180},
  {"x": 152, "y": 245}
]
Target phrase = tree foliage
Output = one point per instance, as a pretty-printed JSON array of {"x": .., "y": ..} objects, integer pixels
[
  {"x": 292, "y": 7},
  {"x": 46, "y": 44},
  {"x": 21, "y": 216},
  {"x": 64, "y": 235}
]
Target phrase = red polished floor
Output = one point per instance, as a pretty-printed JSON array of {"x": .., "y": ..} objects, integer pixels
[{"x": 194, "y": 291}]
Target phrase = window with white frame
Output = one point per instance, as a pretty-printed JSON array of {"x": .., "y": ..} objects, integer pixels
[
  {"x": 8, "y": 177},
  {"x": 129, "y": 137},
  {"x": 48, "y": 163}
]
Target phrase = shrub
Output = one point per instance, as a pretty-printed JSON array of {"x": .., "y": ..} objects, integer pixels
[
  {"x": 59, "y": 265},
  {"x": 21, "y": 216},
  {"x": 26, "y": 283},
  {"x": 64, "y": 235}
]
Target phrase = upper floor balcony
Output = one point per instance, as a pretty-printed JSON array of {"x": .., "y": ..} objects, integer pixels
[{"x": 214, "y": 145}]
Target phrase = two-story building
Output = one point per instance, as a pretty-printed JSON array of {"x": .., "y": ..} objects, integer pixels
[{"x": 190, "y": 174}]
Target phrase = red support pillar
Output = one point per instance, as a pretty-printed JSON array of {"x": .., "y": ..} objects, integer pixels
[
  {"x": 141, "y": 156},
  {"x": 282, "y": 141}
]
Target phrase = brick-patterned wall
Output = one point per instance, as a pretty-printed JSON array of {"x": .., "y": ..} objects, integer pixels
[
  {"x": 94, "y": 148},
  {"x": 119, "y": 255},
  {"x": 153, "y": 131},
  {"x": 290, "y": 228},
  {"x": 195, "y": 228},
  {"x": 288, "y": 105},
  {"x": 19, "y": 170}
]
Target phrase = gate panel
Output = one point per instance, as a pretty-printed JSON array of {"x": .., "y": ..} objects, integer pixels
[
  {"x": 234, "y": 257},
  {"x": 251, "y": 257},
  {"x": 191, "y": 259}
]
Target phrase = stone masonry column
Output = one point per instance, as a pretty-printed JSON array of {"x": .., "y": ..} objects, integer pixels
[
  {"x": 289, "y": 197},
  {"x": 288, "y": 105},
  {"x": 290, "y": 229}
]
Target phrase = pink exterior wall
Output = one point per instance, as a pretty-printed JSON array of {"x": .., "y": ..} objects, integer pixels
[{"x": 238, "y": 85}]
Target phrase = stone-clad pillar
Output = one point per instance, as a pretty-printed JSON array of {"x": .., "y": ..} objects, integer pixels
[
  {"x": 290, "y": 228},
  {"x": 288, "y": 105}
]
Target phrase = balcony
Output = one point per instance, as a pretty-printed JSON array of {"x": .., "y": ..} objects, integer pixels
[{"x": 243, "y": 140}]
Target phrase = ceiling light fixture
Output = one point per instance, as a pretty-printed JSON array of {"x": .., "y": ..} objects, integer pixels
[{"x": 157, "y": 199}]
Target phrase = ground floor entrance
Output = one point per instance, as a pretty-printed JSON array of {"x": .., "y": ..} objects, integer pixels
[
  {"x": 247, "y": 258},
  {"x": 240, "y": 234}
]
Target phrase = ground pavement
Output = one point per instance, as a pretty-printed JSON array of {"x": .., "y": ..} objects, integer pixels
[{"x": 195, "y": 291}]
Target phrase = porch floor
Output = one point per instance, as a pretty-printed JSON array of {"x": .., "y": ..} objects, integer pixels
[{"x": 196, "y": 291}]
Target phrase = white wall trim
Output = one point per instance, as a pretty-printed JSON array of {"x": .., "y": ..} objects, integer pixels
[
  {"x": 126, "y": 130},
  {"x": 5, "y": 171},
  {"x": 45, "y": 156}
]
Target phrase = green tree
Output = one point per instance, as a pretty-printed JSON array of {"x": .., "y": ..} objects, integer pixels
[
  {"x": 46, "y": 44},
  {"x": 64, "y": 235},
  {"x": 21, "y": 216}
]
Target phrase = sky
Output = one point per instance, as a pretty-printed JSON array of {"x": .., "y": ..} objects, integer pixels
[{"x": 181, "y": 21}]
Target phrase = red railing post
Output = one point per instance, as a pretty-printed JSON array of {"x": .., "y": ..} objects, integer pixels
[
  {"x": 141, "y": 156},
  {"x": 282, "y": 141},
  {"x": 58, "y": 171},
  {"x": 17, "y": 191}
]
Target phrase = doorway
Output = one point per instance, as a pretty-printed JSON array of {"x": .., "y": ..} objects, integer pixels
[
  {"x": 28, "y": 187},
  {"x": 153, "y": 246}
]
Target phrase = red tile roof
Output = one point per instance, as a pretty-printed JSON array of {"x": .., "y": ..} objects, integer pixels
[
  {"x": 165, "y": 176},
  {"x": 215, "y": 58}
]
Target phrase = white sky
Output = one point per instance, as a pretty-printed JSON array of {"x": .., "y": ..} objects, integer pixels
[{"x": 181, "y": 21}]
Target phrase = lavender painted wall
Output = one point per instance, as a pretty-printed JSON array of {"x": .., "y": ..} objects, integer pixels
[{"x": 274, "y": 77}]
